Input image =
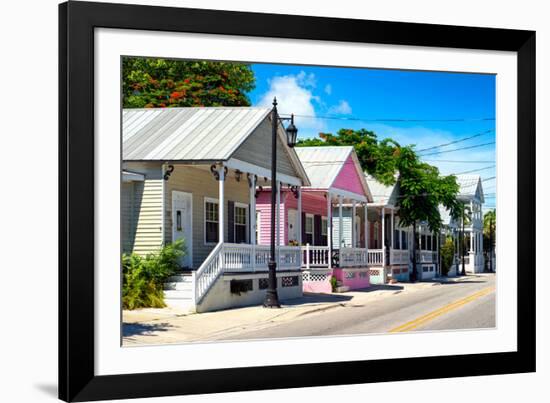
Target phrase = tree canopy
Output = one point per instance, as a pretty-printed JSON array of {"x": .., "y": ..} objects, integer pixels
[{"x": 154, "y": 83}]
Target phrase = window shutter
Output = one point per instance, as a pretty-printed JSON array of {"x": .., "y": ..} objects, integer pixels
[
  {"x": 317, "y": 230},
  {"x": 303, "y": 226},
  {"x": 230, "y": 221}
]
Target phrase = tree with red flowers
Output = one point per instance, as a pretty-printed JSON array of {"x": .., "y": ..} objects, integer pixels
[{"x": 158, "y": 83}]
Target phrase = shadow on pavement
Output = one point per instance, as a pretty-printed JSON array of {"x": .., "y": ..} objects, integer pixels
[
  {"x": 458, "y": 282},
  {"x": 381, "y": 287},
  {"x": 311, "y": 298},
  {"x": 143, "y": 329}
]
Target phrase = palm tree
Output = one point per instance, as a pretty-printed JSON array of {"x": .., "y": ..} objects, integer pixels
[{"x": 489, "y": 229}]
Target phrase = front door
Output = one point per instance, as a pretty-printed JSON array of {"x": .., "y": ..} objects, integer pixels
[
  {"x": 292, "y": 225},
  {"x": 182, "y": 223},
  {"x": 357, "y": 232}
]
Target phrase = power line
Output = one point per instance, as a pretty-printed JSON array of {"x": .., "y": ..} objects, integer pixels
[
  {"x": 351, "y": 118},
  {"x": 457, "y": 141},
  {"x": 462, "y": 161},
  {"x": 474, "y": 170},
  {"x": 459, "y": 149}
]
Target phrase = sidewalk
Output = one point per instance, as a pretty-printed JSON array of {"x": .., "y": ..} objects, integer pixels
[{"x": 167, "y": 325}]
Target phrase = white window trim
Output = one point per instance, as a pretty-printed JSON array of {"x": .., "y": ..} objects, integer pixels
[
  {"x": 208, "y": 200},
  {"x": 246, "y": 225},
  {"x": 324, "y": 220},
  {"x": 308, "y": 215}
]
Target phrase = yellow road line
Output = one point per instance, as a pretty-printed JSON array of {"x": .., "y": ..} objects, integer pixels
[{"x": 413, "y": 324}]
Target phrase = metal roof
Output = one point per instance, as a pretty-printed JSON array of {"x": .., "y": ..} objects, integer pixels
[
  {"x": 469, "y": 185},
  {"x": 381, "y": 193},
  {"x": 187, "y": 134},
  {"x": 323, "y": 163}
]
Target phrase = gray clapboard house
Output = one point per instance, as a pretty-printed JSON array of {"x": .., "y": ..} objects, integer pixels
[{"x": 193, "y": 173}]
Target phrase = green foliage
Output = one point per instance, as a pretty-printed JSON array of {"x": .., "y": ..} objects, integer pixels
[
  {"x": 422, "y": 188},
  {"x": 143, "y": 278},
  {"x": 447, "y": 251},
  {"x": 157, "y": 83},
  {"x": 489, "y": 230},
  {"x": 333, "y": 283},
  {"x": 376, "y": 157}
]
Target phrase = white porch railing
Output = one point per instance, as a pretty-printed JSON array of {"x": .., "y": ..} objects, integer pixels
[
  {"x": 426, "y": 256},
  {"x": 315, "y": 257},
  {"x": 208, "y": 272},
  {"x": 375, "y": 257},
  {"x": 228, "y": 257},
  {"x": 353, "y": 257},
  {"x": 399, "y": 256}
]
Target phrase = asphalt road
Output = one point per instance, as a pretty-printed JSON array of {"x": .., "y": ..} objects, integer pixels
[{"x": 464, "y": 304}]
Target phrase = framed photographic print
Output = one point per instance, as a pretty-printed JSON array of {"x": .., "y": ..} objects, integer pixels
[{"x": 258, "y": 201}]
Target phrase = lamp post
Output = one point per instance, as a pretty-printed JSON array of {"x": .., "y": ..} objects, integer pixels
[{"x": 271, "y": 297}]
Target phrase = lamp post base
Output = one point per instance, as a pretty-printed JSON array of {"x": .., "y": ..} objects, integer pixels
[{"x": 271, "y": 297}]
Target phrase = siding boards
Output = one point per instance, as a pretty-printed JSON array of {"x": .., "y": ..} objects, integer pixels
[
  {"x": 147, "y": 208},
  {"x": 256, "y": 149},
  {"x": 201, "y": 184}
]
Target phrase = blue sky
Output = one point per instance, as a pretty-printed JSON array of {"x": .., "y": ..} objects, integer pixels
[{"x": 352, "y": 93}]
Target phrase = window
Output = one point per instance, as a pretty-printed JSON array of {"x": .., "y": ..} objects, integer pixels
[
  {"x": 324, "y": 226},
  {"x": 309, "y": 229},
  {"x": 241, "y": 218},
  {"x": 396, "y": 239},
  {"x": 211, "y": 221},
  {"x": 376, "y": 234},
  {"x": 404, "y": 240}
]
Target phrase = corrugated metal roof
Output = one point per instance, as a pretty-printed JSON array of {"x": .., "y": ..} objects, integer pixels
[
  {"x": 188, "y": 134},
  {"x": 381, "y": 193},
  {"x": 469, "y": 186},
  {"x": 322, "y": 164}
]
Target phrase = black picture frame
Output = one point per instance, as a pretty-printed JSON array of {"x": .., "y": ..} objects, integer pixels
[{"x": 77, "y": 21}]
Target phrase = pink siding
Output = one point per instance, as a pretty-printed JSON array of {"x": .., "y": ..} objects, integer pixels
[
  {"x": 355, "y": 283},
  {"x": 348, "y": 178},
  {"x": 263, "y": 205}
]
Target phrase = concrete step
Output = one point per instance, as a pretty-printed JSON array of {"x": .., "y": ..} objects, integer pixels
[
  {"x": 181, "y": 278},
  {"x": 181, "y": 304},
  {"x": 178, "y": 285},
  {"x": 178, "y": 294}
]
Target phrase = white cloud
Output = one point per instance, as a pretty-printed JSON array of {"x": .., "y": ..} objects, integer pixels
[
  {"x": 328, "y": 89},
  {"x": 342, "y": 108},
  {"x": 294, "y": 95}
]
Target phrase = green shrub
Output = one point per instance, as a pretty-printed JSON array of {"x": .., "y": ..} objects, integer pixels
[
  {"x": 333, "y": 283},
  {"x": 447, "y": 254},
  {"x": 143, "y": 278}
]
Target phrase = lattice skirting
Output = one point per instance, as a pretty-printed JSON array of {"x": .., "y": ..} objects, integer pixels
[{"x": 316, "y": 276}]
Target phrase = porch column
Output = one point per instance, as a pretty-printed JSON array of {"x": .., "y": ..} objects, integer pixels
[
  {"x": 472, "y": 240},
  {"x": 353, "y": 233},
  {"x": 340, "y": 222},
  {"x": 391, "y": 228},
  {"x": 383, "y": 237},
  {"x": 221, "y": 204},
  {"x": 329, "y": 229},
  {"x": 252, "y": 202},
  {"x": 299, "y": 220},
  {"x": 366, "y": 223}
]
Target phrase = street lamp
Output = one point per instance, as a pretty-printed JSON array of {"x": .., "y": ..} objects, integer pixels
[{"x": 271, "y": 297}]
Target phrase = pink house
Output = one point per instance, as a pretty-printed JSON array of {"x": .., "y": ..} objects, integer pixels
[{"x": 327, "y": 218}]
